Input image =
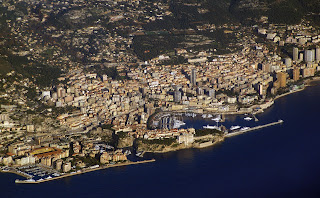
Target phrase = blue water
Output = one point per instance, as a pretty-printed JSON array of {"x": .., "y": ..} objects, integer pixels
[{"x": 279, "y": 161}]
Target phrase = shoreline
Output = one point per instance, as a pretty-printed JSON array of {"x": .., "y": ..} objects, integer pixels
[
  {"x": 206, "y": 145},
  {"x": 79, "y": 172}
]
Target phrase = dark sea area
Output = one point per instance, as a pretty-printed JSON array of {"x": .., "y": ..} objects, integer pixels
[{"x": 278, "y": 161}]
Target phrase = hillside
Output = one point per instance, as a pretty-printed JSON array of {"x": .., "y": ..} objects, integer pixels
[{"x": 188, "y": 13}]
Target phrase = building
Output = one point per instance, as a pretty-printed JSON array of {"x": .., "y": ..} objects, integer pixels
[
  {"x": 296, "y": 74},
  {"x": 193, "y": 77},
  {"x": 307, "y": 72},
  {"x": 177, "y": 96},
  {"x": 211, "y": 93},
  {"x": 317, "y": 54},
  {"x": 295, "y": 54},
  {"x": 58, "y": 164},
  {"x": 186, "y": 139},
  {"x": 30, "y": 128},
  {"x": 61, "y": 92},
  {"x": 309, "y": 56},
  {"x": 66, "y": 167},
  {"x": 282, "y": 78},
  {"x": 288, "y": 62}
]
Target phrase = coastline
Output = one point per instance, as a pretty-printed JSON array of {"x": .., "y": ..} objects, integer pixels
[{"x": 205, "y": 144}]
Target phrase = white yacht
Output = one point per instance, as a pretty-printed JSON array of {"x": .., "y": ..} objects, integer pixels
[
  {"x": 217, "y": 119},
  {"x": 244, "y": 128},
  {"x": 234, "y": 127},
  {"x": 210, "y": 127}
]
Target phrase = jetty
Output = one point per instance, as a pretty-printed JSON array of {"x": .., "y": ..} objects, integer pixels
[
  {"x": 90, "y": 169},
  {"x": 253, "y": 128}
]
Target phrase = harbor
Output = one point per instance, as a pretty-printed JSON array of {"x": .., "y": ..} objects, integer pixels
[{"x": 51, "y": 175}]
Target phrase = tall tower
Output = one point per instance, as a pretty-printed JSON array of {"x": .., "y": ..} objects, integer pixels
[
  {"x": 193, "y": 77},
  {"x": 177, "y": 94},
  {"x": 295, "y": 54}
]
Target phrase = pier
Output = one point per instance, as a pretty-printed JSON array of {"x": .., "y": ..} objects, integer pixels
[{"x": 253, "y": 128}]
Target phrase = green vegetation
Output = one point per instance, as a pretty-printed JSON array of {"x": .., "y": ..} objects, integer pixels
[
  {"x": 203, "y": 132},
  {"x": 164, "y": 141},
  {"x": 122, "y": 134},
  {"x": 228, "y": 92},
  {"x": 109, "y": 71},
  {"x": 89, "y": 161},
  {"x": 42, "y": 75},
  {"x": 150, "y": 46},
  {"x": 62, "y": 110},
  {"x": 107, "y": 126},
  {"x": 5, "y": 66}
]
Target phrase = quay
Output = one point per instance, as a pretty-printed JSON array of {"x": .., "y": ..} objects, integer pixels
[
  {"x": 253, "y": 128},
  {"x": 30, "y": 181}
]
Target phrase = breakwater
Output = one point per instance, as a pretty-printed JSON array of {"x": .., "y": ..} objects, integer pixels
[
  {"x": 253, "y": 128},
  {"x": 30, "y": 181}
]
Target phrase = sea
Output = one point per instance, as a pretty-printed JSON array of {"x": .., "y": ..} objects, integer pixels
[{"x": 278, "y": 161}]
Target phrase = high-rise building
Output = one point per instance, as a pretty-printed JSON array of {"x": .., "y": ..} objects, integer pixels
[
  {"x": 296, "y": 74},
  {"x": 295, "y": 54},
  {"x": 193, "y": 77},
  {"x": 282, "y": 78},
  {"x": 288, "y": 62},
  {"x": 309, "y": 55},
  {"x": 177, "y": 96},
  {"x": 61, "y": 92},
  {"x": 318, "y": 54},
  {"x": 211, "y": 93}
]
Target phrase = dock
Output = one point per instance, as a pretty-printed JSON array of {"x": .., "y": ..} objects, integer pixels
[
  {"x": 255, "y": 117},
  {"x": 253, "y": 128},
  {"x": 81, "y": 172}
]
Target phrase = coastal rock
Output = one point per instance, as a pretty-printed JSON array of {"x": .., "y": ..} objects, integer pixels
[{"x": 125, "y": 142}]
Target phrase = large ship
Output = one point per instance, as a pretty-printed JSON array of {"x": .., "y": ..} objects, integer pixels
[
  {"x": 210, "y": 127},
  {"x": 217, "y": 119},
  {"x": 177, "y": 124},
  {"x": 234, "y": 127},
  {"x": 244, "y": 128}
]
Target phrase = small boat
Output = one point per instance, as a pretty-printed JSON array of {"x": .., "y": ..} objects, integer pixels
[
  {"x": 127, "y": 152},
  {"x": 139, "y": 154},
  {"x": 49, "y": 177},
  {"x": 248, "y": 118}
]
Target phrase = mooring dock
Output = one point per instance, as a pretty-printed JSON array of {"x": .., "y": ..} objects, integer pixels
[{"x": 253, "y": 128}]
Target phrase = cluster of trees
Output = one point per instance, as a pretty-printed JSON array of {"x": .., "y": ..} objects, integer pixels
[
  {"x": 150, "y": 46},
  {"x": 164, "y": 141},
  {"x": 203, "y": 132}
]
